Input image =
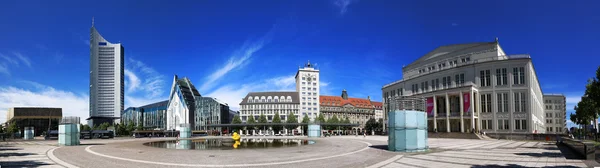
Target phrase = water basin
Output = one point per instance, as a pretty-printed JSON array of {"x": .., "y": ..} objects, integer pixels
[{"x": 228, "y": 144}]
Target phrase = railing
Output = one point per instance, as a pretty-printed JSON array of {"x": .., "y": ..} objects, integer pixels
[
  {"x": 454, "y": 114},
  {"x": 407, "y": 103},
  {"x": 493, "y": 58}
]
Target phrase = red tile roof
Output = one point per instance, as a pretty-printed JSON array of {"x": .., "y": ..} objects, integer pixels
[
  {"x": 378, "y": 105},
  {"x": 338, "y": 101}
]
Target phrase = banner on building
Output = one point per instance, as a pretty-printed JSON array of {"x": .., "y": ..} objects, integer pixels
[
  {"x": 467, "y": 102},
  {"x": 429, "y": 106}
]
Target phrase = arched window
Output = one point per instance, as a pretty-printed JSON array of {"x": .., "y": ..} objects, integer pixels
[{"x": 249, "y": 99}]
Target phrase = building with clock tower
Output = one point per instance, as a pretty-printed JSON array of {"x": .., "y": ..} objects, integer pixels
[{"x": 307, "y": 86}]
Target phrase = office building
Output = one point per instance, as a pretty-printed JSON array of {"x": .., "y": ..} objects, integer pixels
[
  {"x": 270, "y": 103},
  {"x": 357, "y": 110},
  {"x": 41, "y": 119},
  {"x": 106, "y": 79},
  {"x": 307, "y": 86},
  {"x": 555, "y": 109},
  {"x": 473, "y": 87},
  {"x": 211, "y": 111}
]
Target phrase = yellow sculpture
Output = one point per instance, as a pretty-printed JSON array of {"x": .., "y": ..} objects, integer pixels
[{"x": 236, "y": 137}]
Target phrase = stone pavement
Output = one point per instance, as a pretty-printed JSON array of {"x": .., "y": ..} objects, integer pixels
[
  {"x": 481, "y": 153},
  {"x": 330, "y": 152},
  {"x": 17, "y": 155}
]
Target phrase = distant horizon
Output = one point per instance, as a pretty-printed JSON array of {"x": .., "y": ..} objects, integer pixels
[{"x": 228, "y": 49}]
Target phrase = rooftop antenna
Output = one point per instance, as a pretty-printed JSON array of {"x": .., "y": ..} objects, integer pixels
[
  {"x": 92, "y": 21},
  {"x": 496, "y": 39}
]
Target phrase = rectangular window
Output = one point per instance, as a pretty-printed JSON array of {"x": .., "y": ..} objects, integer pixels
[
  {"x": 426, "y": 86},
  {"x": 484, "y": 77},
  {"x": 502, "y": 102},
  {"x": 444, "y": 82},
  {"x": 484, "y": 124},
  {"x": 524, "y": 124},
  {"x": 449, "y": 81},
  {"x": 490, "y": 124},
  {"x": 519, "y": 75},
  {"x": 457, "y": 80},
  {"x": 506, "y": 126},
  {"x": 437, "y": 83},
  {"x": 501, "y": 76},
  {"x": 520, "y": 102},
  {"x": 433, "y": 84},
  {"x": 517, "y": 124},
  {"x": 486, "y": 103},
  {"x": 500, "y": 125},
  {"x": 462, "y": 79}
]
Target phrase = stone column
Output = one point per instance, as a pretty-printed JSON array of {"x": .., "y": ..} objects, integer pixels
[
  {"x": 474, "y": 109},
  {"x": 447, "y": 113},
  {"x": 434, "y": 113},
  {"x": 462, "y": 109}
]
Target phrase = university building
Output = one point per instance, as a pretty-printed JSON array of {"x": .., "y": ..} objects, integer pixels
[
  {"x": 473, "y": 87},
  {"x": 357, "y": 110},
  {"x": 151, "y": 116}
]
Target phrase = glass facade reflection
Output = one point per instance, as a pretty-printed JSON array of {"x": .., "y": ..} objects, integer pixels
[
  {"x": 211, "y": 111},
  {"x": 152, "y": 116}
]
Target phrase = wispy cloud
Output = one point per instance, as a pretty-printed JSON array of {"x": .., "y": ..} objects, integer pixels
[
  {"x": 454, "y": 24},
  {"x": 141, "y": 77},
  {"x": 4, "y": 69},
  {"x": 23, "y": 58},
  {"x": 233, "y": 94},
  {"x": 237, "y": 59},
  {"x": 343, "y": 5},
  {"x": 555, "y": 86},
  {"x": 572, "y": 99},
  {"x": 58, "y": 57},
  {"x": 144, "y": 84},
  {"x": 72, "y": 104},
  {"x": 9, "y": 59}
]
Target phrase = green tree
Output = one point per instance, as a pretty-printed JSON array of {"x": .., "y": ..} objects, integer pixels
[
  {"x": 236, "y": 120},
  {"x": 347, "y": 121},
  {"x": 12, "y": 129},
  {"x": 85, "y": 127},
  {"x": 262, "y": 119},
  {"x": 592, "y": 89},
  {"x": 277, "y": 120},
  {"x": 305, "y": 120},
  {"x": 251, "y": 121},
  {"x": 139, "y": 127},
  {"x": 291, "y": 118},
  {"x": 130, "y": 127},
  {"x": 121, "y": 129},
  {"x": 103, "y": 126},
  {"x": 370, "y": 125},
  {"x": 333, "y": 120},
  {"x": 321, "y": 118}
]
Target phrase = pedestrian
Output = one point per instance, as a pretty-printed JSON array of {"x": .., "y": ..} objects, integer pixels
[{"x": 364, "y": 134}]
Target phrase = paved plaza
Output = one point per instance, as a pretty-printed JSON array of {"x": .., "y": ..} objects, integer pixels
[{"x": 330, "y": 152}]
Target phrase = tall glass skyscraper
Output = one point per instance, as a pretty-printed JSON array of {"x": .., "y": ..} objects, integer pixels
[{"x": 106, "y": 79}]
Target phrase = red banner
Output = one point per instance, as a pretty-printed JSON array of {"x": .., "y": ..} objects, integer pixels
[
  {"x": 467, "y": 102},
  {"x": 430, "y": 106}
]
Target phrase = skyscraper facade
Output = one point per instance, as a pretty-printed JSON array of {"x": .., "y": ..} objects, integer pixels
[{"x": 106, "y": 79}]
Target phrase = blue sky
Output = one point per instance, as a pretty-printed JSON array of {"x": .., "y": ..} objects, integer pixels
[{"x": 229, "y": 48}]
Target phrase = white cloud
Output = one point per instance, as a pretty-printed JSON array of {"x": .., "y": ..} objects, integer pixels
[
  {"x": 132, "y": 82},
  {"x": 9, "y": 60},
  {"x": 323, "y": 84},
  {"x": 572, "y": 100},
  {"x": 238, "y": 58},
  {"x": 72, "y": 104},
  {"x": 24, "y": 59},
  {"x": 4, "y": 69},
  {"x": 233, "y": 94},
  {"x": 141, "y": 77},
  {"x": 454, "y": 24},
  {"x": 343, "y": 5}
]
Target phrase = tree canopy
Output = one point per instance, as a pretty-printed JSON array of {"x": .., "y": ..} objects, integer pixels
[
  {"x": 262, "y": 118},
  {"x": 251, "y": 121},
  {"x": 277, "y": 119},
  {"x": 236, "y": 120},
  {"x": 321, "y": 118},
  {"x": 291, "y": 118}
]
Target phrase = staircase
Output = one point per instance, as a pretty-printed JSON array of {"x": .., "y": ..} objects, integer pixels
[
  {"x": 483, "y": 137},
  {"x": 453, "y": 135}
]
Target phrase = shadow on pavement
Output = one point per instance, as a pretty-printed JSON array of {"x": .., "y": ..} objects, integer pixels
[
  {"x": 568, "y": 152},
  {"x": 93, "y": 144},
  {"x": 543, "y": 154},
  {"x": 381, "y": 147},
  {"x": 27, "y": 163},
  {"x": 510, "y": 165},
  {"x": 16, "y": 154},
  {"x": 10, "y": 149}
]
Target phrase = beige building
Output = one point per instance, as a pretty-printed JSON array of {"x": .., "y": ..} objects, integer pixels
[
  {"x": 474, "y": 86},
  {"x": 555, "y": 112},
  {"x": 358, "y": 110}
]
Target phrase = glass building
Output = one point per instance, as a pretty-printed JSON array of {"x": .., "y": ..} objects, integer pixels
[
  {"x": 151, "y": 116},
  {"x": 211, "y": 111},
  {"x": 40, "y": 118}
]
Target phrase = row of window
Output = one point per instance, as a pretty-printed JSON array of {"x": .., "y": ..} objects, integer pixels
[
  {"x": 502, "y": 77},
  {"x": 556, "y": 121},
  {"x": 504, "y": 124},
  {"x": 443, "y": 64},
  {"x": 309, "y": 83},
  {"x": 556, "y": 129},
  {"x": 555, "y": 101},
  {"x": 556, "y": 107},
  {"x": 549, "y": 115},
  {"x": 309, "y": 88},
  {"x": 314, "y": 79},
  {"x": 459, "y": 80},
  {"x": 269, "y": 106},
  {"x": 309, "y": 93},
  {"x": 520, "y": 102}
]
